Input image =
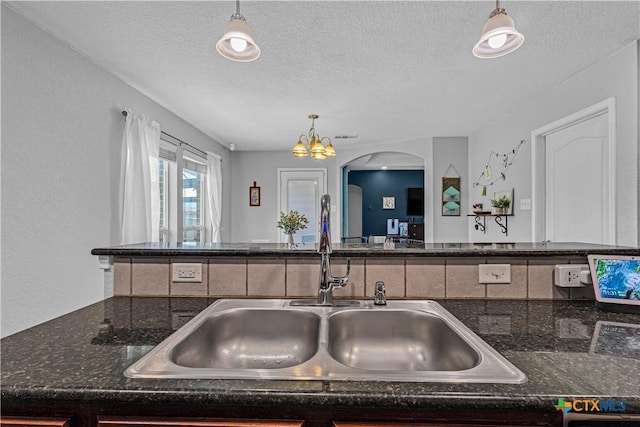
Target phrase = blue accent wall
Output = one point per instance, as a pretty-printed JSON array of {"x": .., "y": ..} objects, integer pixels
[{"x": 383, "y": 183}]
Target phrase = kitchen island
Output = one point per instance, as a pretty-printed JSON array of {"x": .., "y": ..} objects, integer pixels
[
  {"x": 402, "y": 248},
  {"x": 72, "y": 367}
]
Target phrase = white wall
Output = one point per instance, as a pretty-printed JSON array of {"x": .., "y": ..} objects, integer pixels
[
  {"x": 614, "y": 76},
  {"x": 450, "y": 151},
  {"x": 250, "y": 223},
  {"x": 61, "y": 135},
  {"x": 259, "y": 222}
]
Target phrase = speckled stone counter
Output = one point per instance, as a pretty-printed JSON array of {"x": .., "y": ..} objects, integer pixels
[
  {"x": 402, "y": 249},
  {"x": 568, "y": 349}
]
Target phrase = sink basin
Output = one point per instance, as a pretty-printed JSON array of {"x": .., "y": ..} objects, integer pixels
[
  {"x": 250, "y": 339},
  {"x": 406, "y": 341},
  {"x": 398, "y": 340}
]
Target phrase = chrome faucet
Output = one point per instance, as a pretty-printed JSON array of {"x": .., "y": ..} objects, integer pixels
[
  {"x": 328, "y": 282},
  {"x": 380, "y": 294},
  {"x": 325, "y": 225}
]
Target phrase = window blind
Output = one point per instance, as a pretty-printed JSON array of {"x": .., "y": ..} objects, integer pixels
[
  {"x": 194, "y": 166},
  {"x": 168, "y": 152}
]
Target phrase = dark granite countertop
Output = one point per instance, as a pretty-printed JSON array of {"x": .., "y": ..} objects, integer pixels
[
  {"x": 402, "y": 249},
  {"x": 568, "y": 349}
]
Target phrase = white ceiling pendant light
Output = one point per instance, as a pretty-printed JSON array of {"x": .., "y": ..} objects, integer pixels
[
  {"x": 237, "y": 42},
  {"x": 499, "y": 35}
]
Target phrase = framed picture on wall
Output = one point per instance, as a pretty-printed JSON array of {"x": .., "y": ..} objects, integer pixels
[
  {"x": 451, "y": 196},
  {"x": 504, "y": 199},
  {"x": 388, "y": 203},
  {"x": 254, "y": 195}
]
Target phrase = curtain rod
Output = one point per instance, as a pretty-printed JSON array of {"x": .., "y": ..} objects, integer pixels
[{"x": 202, "y": 153}]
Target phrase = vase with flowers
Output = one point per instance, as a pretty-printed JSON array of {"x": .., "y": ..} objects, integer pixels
[{"x": 290, "y": 223}]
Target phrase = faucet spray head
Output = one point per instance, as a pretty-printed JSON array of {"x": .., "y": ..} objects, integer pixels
[{"x": 325, "y": 225}]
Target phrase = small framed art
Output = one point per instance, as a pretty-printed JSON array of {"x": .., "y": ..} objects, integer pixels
[{"x": 254, "y": 195}]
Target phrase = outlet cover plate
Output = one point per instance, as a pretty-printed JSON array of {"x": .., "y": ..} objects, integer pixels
[
  {"x": 569, "y": 275},
  {"x": 190, "y": 272},
  {"x": 494, "y": 273}
]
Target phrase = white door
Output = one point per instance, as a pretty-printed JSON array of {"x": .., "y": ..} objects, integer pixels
[
  {"x": 300, "y": 190},
  {"x": 577, "y": 185},
  {"x": 355, "y": 211}
]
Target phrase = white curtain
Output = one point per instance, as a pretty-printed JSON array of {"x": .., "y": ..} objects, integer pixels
[
  {"x": 214, "y": 193},
  {"x": 140, "y": 192}
]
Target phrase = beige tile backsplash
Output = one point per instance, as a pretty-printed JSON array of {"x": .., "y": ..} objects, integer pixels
[
  {"x": 266, "y": 277},
  {"x": 452, "y": 278},
  {"x": 461, "y": 279},
  {"x": 150, "y": 276},
  {"x": 228, "y": 277},
  {"x": 517, "y": 289},
  {"x": 424, "y": 278}
]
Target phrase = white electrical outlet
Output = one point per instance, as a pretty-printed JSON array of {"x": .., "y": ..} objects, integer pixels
[
  {"x": 568, "y": 275},
  {"x": 494, "y": 273},
  {"x": 187, "y": 272}
]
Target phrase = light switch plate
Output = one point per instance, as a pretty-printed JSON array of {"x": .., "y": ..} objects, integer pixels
[
  {"x": 494, "y": 273},
  {"x": 525, "y": 204},
  {"x": 190, "y": 272}
]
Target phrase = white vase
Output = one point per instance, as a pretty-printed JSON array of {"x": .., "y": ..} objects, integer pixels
[
  {"x": 498, "y": 211},
  {"x": 290, "y": 239}
]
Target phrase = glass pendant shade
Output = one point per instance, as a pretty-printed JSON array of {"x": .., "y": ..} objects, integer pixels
[
  {"x": 499, "y": 36},
  {"x": 319, "y": 156},
  {"x": 237, "y": 43},
  {"x": 299, "y": 150},
  {"x": 330, "y": 151},
  {"x": 316, "y": 146}
]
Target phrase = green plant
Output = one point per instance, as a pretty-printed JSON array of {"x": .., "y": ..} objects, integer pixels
[
  {"x": 501, "y": 202},
  {"x": 292, "y": 222}
]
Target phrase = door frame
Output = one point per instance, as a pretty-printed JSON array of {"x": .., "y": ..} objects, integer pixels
[
  {"x": 302, "y": 171},
  {"x": 538, "y": 144}
]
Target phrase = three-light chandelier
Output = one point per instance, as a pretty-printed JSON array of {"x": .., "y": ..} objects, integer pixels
[{"x": 312, "y": 143}]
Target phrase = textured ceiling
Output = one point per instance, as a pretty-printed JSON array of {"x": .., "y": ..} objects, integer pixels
[{"x": 383, "y": 70}]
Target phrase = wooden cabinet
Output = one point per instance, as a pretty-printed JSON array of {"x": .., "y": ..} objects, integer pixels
[
  {"x": 121, "y": 413},
  {"x": 441, "y": 424},
  {"x": 191, "y": 422},
  {"x": 33, "y": 422},
  {"x": 416, "y": 231},
  {"x": 168, "y": 415}
]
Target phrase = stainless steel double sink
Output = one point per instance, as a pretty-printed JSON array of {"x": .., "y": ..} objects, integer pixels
[{"x": 417, "y": 341}]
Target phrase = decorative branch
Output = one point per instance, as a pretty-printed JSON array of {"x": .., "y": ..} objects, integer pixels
[{"x": 506, "y": 161}]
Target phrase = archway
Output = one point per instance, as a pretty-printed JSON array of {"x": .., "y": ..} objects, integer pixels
[{"x": 390, "y": 172}]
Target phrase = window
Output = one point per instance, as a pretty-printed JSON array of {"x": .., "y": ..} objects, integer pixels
[
  {"x": 182, "y": 194},
  {"x": 163, "y": 166},
  {"x": 192, "y": 206}
]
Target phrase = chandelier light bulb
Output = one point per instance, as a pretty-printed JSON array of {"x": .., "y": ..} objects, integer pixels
[
  {"x": 239, "y": 45},
  {"x": 496, "y": 41}
]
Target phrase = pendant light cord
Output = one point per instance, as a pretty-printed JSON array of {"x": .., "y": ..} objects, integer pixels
[{"x": 238, "y": 16}]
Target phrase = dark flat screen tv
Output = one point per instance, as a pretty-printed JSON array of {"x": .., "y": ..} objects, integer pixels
[{"x": 415, "y": 201}]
